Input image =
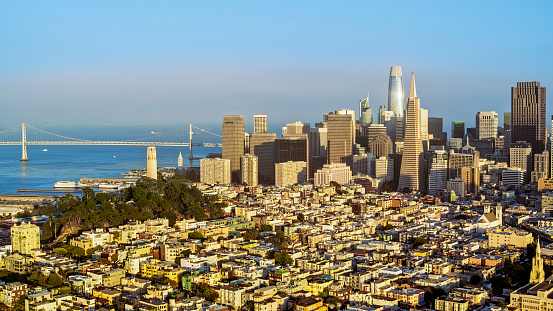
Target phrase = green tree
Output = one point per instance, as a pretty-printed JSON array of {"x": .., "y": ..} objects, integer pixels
[
  {"x": 418, "y": 241},
  {"x": 265, "y": 228},
  {"x": 64, "y": 290},
  {"x": 252, "y": 234},
  {"x": 210, "y": 295},
  {"x": 78, "y": 252},
  {"x": 195, "y": 235},
  {"x": 333, "y": 301},
  {"x": 54, "y": 280},
  {"x": 301, "y": 217},
  {"x": 282, "y": 258}
]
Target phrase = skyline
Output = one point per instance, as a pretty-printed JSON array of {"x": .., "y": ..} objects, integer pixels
[{"x": 103, "y": 63}]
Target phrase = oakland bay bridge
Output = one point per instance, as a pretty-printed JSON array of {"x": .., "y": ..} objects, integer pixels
[{"x": 190, "y": 136}]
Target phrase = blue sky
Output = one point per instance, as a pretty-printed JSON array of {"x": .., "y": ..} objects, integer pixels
[{"x": 176, "y": 62}]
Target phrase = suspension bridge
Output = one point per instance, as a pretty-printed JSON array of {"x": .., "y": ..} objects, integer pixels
[{"x": 190, "y": 136}]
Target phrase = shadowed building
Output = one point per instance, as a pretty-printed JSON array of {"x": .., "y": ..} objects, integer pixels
[
  {"x": 262, "y": 145},
  {"x": 381, "y": 145},
  {"x": 233, "y": 143},
  {"x": 528, "y": 115}
]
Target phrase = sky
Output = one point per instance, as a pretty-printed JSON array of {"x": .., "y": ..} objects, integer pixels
[{"x": 180, "y": 62}]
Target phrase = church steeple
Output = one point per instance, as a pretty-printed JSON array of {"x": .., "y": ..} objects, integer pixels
[{"x": 537, "y": 275}]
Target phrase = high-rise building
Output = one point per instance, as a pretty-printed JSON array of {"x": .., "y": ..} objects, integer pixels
[
  {"x": 260, "y": 123},
  {"x": 381, "y": 110},
  {"x": 528, "y": 115},
  {"x": 25, "y": 238},
  {"x": 365, "y": 112},
  {"x": 290, "y": 173},
  {"x": 248, "y": 169},
  {"x": 297, "y": 128},
  {"x": 486, "y": 124},
  {"x": 341, "y": 134},
  {"x": 337, "y": 172},
  {"x": 386, "y": 116},
  {"x": 436, "y": 127},
  {"x": 507, "y": 120},
  {"x": 423, "y": 122},
  {"x": 381, "y": 145},
  {"x": 151, "y": 163},
  {"x": 215, "y": 171},
  {"x": 233, "y": 143},
  {"x": 437, "y": 175},
  {"x": 383, "y": 168},
  {"x": 521, "y": 156},
  {"x": 395, "y": 91},
  {"x": 411, "y": 172},
  {"x": 262, "y": 145},
  {"x": 457, "y": 129},
  {"x": 541, "y": 167},
  {"x": 318, "y": 141}
]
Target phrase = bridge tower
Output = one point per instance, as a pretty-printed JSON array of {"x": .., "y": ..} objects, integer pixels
[
  {"x": 191, "y": 156},
  {"x": 24, "y": 143}
]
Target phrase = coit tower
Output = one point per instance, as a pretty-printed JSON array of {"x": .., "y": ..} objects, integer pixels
[
  {"x": 395, "y": 91},
  {"x": 151, "y": 164}
]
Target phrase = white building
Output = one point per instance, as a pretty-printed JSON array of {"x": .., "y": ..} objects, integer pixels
[
  {"x": 248, "y": 169},
  {"x": 513, "y": 176},
  {"x": 486, "y": 124},
  {"x": 260, "y": 123},
  {"x": 337, "y": 172},
  {"x": 215, "y": 171},
  {"x": 458, "y": 186},
  {"x": 437, "y": 175}
]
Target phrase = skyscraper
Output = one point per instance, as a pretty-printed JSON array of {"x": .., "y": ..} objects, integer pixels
[
  {"x": 260, "y": 123},
  {"x": 528, "y": 115},
  {"x": 151, "y": 163},
  {"x": 395, "y": 91},
  {"x": 341, "y": 134},
  {"x": 248, "y": 169},
  {"x": 457, "y": 129},
  {"x": 381, "y": 110},
  {"x": 233, "y": 143},
  {"x": 436, "y": 127},
  {"x": 423, "y": 122},
  {"x": 486, "y": 124},
  {"x": 411, "y": 172},
  {"x": 365, "y": 112}
]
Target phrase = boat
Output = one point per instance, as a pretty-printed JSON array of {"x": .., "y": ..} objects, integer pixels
[
  {"x": 110, "y": 186},
  {"x": 155, "y": 133},
  {"x": 44, "y": 150},
  {"x": 68, "y": 184}
]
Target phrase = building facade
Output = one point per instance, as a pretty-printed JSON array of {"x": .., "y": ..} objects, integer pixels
[
  {"x": 25, "y": 238},
  {"x": 248, "y": 170},
  {"x": 215, "y": 171},
  {"x": 290, "y": 173},
  {"x": 341, "y": 134},
  {"x": 486, "y": 124},
  {"x": 528, "y": 115},
  {"x": 395, "y": 91},
  {"x": 233, "y": 130},
  {"x": 337, "y": 172},
  {"x": 260, "y": 123}
]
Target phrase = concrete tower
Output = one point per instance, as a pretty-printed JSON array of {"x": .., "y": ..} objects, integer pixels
[
  {"x": 180, "y": 161},
  {"x": 260, "y": 123},
  {"x": 411, "y": 173},
  {"x": 537, "y": 275},
  {"x": 233, "y": 143},
  {"x": 395, "y": 91},
  {"x": 151, "y": 164},
  {"x": 486, "y": 124}
]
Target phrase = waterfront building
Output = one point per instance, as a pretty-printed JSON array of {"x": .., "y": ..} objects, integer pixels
[
  {"x": 341, "y": 134},
  {"x": 395, "y": 91},
  {"x": 411, "y": 173},
  {"x": 233, "y": 130},
  {"x": 365, "y": 112},
  {"x": 248, "y": 169},
  {"x": 215, "y": 171},
  {"x": 528, "y": 115},
  {"x": 25, "y": 238},
  {"x": 486, "y": 125},
  {"x": 337, "y": 172},
  {"x": 290, "y": 173},
  {"x": 457, "y": 129},
  {"x": 260, "y": 123},
  {"x": 151, "y": 163},
  {"x": 180, "y": 160}
]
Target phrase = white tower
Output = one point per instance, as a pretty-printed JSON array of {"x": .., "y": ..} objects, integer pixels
[
  {"x": 151, "y": 166},
  {"x": 180, "y": 161}
]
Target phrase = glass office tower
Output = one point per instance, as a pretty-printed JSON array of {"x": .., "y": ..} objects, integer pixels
[{"x": 395, "y": 91}]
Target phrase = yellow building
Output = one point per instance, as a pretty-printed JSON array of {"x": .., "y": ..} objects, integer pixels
[
  {"x": 503, "y": 238},
  {"x": 545, "y": 184},
  {"x": 166, "y": 269},
  {"x": 451, "y": 304},
  {"x": 318, "y": 286},
  {"x": 310, "y": 304},
  {"x": 25, "y": 238},
  {"x": 107, "y": 294}
]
